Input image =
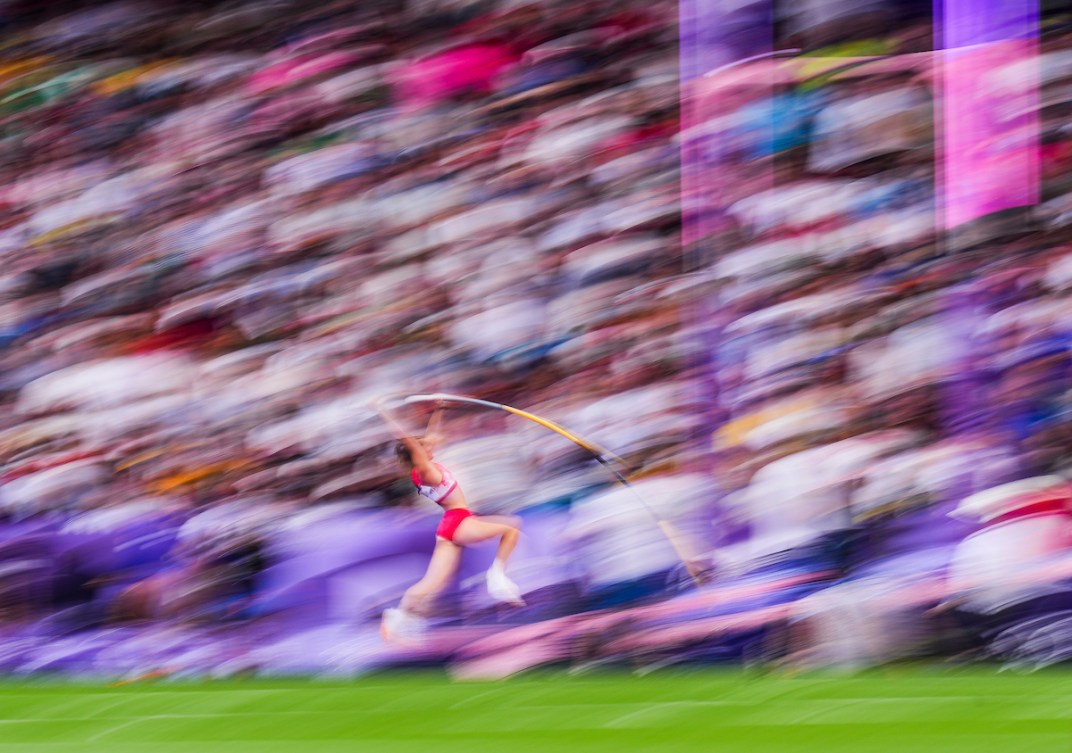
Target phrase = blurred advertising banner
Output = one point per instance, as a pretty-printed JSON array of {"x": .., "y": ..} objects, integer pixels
[{"x": 990, "y": 131}]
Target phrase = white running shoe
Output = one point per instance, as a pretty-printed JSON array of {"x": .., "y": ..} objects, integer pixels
[
  {"x": 502, "y": 588},
  {"x": 399, "y": 626}
]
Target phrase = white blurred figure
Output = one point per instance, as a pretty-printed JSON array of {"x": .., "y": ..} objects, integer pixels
[
  {"x": 852, "y": 625},
  {"x": 1024, "y": 526},
  {"x": 794, "y": 501},
  {"x": 876, "y": 616},
  {"x": 500, "y": 326},
  {"x": 108, "y": 383},
  {"x": 920, "y": 353},
  {"x": 632, "y": 420},
  {"x": 618, "y": 534},
  {"x": 873, "y": 120}
]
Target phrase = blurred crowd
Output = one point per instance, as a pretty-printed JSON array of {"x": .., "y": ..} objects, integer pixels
[
  {"x": 893, "y": 392},
  {"x": 227, "y": 227},
  {"x": 223, "y": 242}
]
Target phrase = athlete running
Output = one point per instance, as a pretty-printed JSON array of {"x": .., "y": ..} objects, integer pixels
[{"x": 458, "y": 528}]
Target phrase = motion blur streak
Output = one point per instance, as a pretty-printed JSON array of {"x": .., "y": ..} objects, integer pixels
[{"x": 804, "y": 266}]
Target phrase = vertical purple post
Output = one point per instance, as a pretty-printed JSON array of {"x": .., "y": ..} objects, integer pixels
[
  {"x": 712, "y": 39},
  {"x": 987, "y": 158},
  {"x": 714, "y": 36}
]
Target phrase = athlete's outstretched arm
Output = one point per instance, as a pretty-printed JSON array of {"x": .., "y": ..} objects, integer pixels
[
  {"x": 422, "y": 461},
  {"x": 434, "y": 434}
]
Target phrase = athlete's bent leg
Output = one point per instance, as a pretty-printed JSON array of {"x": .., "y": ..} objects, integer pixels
[
  {"x": 405, "y": 622},
  {"x": 441, "y": 568},
  {"x": 473, "y": 531}
]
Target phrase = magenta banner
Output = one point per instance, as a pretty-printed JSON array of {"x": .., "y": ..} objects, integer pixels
[{"x": 988, "y": 156}]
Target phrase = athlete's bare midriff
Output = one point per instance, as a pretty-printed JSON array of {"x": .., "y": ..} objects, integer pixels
[{"x": 455, "y": 501}]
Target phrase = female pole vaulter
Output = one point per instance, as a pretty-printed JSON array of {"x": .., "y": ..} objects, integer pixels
[{"x": 458, "y": 529}]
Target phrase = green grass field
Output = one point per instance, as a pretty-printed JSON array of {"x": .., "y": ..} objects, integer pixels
[{"x": 897, "y": 710}]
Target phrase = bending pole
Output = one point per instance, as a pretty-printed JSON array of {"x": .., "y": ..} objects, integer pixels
[{"x": 606, "y": 458}]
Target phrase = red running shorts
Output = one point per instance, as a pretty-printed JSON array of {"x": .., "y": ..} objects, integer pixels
[{"x": 451, "y": 520}]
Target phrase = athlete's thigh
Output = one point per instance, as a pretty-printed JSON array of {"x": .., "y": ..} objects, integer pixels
[
  {"x": 444, "y": 563},
  {"x": 473, "y": 530},
  {"x": 513, "y": 521}
]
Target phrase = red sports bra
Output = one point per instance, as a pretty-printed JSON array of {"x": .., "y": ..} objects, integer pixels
[{"x": 439, "y": 492}]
